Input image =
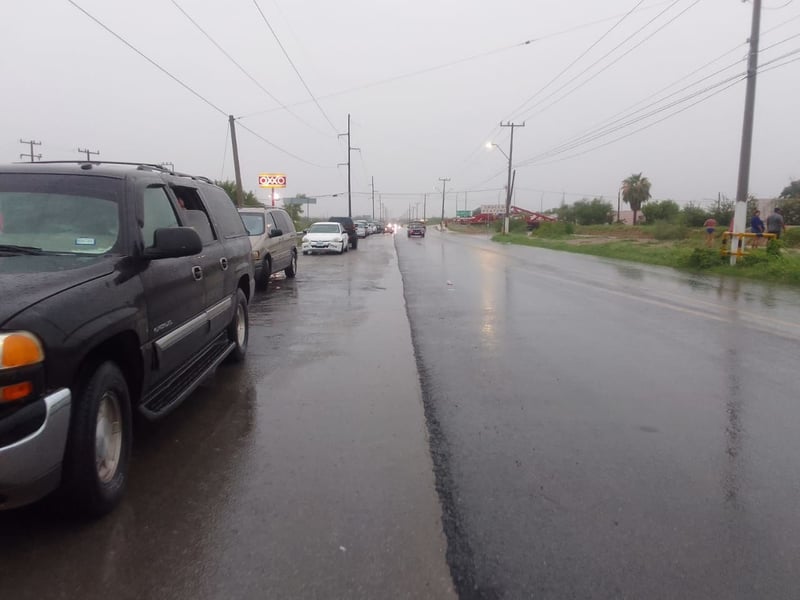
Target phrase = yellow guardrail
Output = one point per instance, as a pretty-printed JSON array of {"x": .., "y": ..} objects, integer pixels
[{"x": 742, "y": 238}]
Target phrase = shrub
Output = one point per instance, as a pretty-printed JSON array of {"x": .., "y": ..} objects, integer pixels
[
  {"x": 703, "y": 258},
  {"x": 554, "y": 230},
  {"x": 792, "y": 237},
  {"x": 774, "y": 247},
  {"x": 693, "y": 215},
  {"x": 662, "y": 230},
  {"x": 661, "y": 210}
]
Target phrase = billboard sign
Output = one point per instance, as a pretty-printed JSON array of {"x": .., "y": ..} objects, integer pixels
[
  {"x": 272, "y": 180},
  {"x": 493, "y": 209},
  {"x": 463, "y": 214}
]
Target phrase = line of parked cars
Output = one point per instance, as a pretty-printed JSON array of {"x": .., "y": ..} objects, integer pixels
[{"x": 124, "y": 287}]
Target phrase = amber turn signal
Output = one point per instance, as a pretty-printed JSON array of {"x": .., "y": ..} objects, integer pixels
[
  {"x": 17, "y": 391},
  {"x": 19, "y": 349}
]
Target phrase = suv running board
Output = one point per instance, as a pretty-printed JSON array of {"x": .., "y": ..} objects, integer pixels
[{"x": 167, "y": 396}]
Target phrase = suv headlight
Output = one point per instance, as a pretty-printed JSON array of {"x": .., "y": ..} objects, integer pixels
[{"x": 22, "y": 352}]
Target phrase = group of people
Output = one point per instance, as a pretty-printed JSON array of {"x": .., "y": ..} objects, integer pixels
[{"x": 775, "y": 224}]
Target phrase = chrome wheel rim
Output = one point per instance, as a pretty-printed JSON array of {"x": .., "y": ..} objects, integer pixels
[
  {"x": 241, "y": 327},
  {"x": 108, "y": 437}
]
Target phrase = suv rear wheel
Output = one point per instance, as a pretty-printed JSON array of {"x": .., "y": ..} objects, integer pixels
[
  {"x": 291, "y": 270},
  {"x": 99, "y": 447}
]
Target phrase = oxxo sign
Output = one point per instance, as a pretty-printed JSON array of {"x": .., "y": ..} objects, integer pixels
[{"x": 272, "y": 180}]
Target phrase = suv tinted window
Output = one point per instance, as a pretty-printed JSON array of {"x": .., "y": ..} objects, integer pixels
[
  {"x": 158, "y": 213},
  {"x": 224, "y": 213}
]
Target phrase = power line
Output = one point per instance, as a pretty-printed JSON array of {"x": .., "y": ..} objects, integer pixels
[
  {"x": 578, "y": 58},
  {"x": 607, "y": 130},
  {"x": 184, "y": 85},
  {"x": 291, "y": 62},
  {"x": 621, "y": 18},
  {"x": 613, "y": 62},
  {"x": 148, "y": 59},
  {"x": 649, "y": 125},
  {"x": 242, "y": 69},
  {"x": 295, "y": 156}
]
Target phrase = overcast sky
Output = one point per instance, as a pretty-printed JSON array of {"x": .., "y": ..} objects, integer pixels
[{"x": 456, "y": 69}]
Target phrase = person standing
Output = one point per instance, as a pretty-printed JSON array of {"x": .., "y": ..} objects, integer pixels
[
  {"x": 775, "y": 223},
  {"x": 757, "y": 227},
  {"x": 710, "y": 225}
]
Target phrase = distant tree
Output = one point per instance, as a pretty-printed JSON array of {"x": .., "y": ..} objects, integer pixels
[
  {"x": 723, "y": 210},
  {"x": 792, "y": 190},
  {"x": 230, "y": 188},
  {"x": 566, "y": 213},
  {"x": 594, "y": 212},
  {"x": 694, "y": 215},
  {"x": 635, "y": 192},
  {"x": 661, "y": 210},
  {"x": 791, "y": 211},
  {"x": 295, "y": 212}
]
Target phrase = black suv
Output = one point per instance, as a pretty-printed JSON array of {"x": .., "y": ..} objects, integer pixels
[
  {"x": 123, "y": 287},
  {"x": 349, "y": 227}
]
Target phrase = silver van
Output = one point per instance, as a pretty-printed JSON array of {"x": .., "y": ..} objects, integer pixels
[{"x": 273, "y": 240}]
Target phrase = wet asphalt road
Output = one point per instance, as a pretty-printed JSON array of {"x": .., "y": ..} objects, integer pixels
[
  {"x": 595, "y": 429},
  {"x": 607, "y": 430},
  {"x": 304, "y": 473}
]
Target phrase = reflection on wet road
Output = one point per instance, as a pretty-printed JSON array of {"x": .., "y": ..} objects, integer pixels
[
  {"x": 607, "y": 430},
  {"x": 305, "y": 473}
]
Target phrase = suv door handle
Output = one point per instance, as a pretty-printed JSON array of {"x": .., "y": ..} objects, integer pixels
[
  {"x": 197, "y": 272},
  {"x": 223, "y": 262}
]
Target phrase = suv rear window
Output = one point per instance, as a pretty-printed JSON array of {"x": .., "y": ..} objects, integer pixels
[{"x": 60, "y": 214}]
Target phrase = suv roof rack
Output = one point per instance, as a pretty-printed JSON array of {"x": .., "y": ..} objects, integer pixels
[{"x": 140, "y": 166}]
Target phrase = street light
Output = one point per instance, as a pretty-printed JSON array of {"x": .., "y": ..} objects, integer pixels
[{"x": 490, "y": 145}]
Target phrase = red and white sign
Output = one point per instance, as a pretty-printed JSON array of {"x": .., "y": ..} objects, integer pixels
[{"x": 272, "y": 180}]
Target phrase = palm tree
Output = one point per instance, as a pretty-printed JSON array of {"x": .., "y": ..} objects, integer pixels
[{"x": 635, "y": 191}]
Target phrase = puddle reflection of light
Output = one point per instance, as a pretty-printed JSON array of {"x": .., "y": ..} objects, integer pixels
[{"x": 489, "y": 264}]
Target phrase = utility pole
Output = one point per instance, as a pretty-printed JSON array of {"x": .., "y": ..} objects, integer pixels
[
  {"x": 510, "y": 157},
  {"x": 32, "y": 144},
  {"x": 89, "y": 153},
  {"x": 424, "y": 207},
  {"x": 349, "y": 190},
  {"x": 444, "y": 181},
  {"x": 239, "y": 191},
  {"x": 740, "y": 212},
  {"x": 373, "y": 197}
]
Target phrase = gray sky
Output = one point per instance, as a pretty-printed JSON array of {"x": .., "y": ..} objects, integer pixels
[{"x": 70, "y": 83}]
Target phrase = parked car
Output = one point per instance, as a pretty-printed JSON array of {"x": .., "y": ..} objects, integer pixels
[
  {"x": 273, "y": 240},
  {"x": 350, "y": 228},
  {"x": 416, "y": 229},
  {"x": 325, "y": 236},
  {"x": 362, "y": 229},
  {"x": 123, "y": 287}
]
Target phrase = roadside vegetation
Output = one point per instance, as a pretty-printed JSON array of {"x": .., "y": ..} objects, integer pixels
[{"x": 672, "y": 236}]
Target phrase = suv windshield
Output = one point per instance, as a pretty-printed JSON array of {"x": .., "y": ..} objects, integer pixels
[
  {"x": 254, "y": 223},
  {"x": 324, "y": 228},
  {"x": 58, "y": 214}
]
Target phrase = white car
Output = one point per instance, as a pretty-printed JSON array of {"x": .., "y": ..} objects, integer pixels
[
  {"x": 362, "y": 229},
  {"x": 325, "y": 237}
]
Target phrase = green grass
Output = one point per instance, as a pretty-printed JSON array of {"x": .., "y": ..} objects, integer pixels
[{"x": 676, "y": 254}]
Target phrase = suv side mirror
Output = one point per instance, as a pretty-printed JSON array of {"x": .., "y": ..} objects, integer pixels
[
  {"x": 173, "y": 242},
  {"x": 275, "y": 232}
]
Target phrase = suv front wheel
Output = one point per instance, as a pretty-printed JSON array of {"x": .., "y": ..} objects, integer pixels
[
  {"x": 239, "y": 328},
  {"x": 99, "y": 447}
]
